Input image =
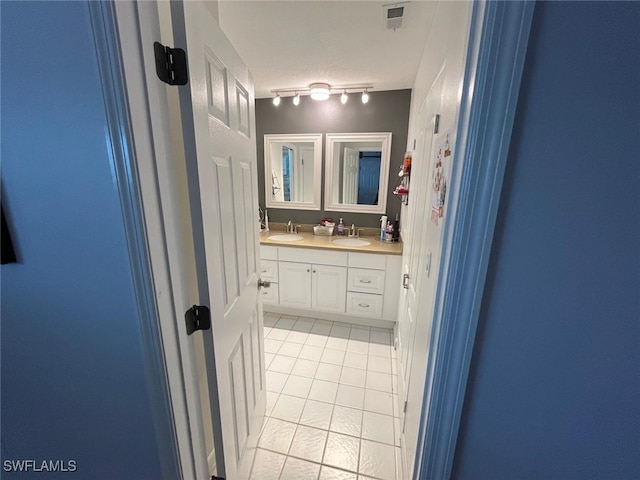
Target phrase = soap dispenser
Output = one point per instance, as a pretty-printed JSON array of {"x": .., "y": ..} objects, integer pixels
[{"x": 341, "y": 228}]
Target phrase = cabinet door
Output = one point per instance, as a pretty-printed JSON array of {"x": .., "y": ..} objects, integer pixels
[
  {"x": 329, "y": 287},
  {"x": 295, "y": 284}
]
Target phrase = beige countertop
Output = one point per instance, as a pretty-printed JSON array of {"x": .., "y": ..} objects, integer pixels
[{"x": 309, "y": 240}]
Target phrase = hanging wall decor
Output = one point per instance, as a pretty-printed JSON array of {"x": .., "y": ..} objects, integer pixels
[{"x": 440, "y": 178}]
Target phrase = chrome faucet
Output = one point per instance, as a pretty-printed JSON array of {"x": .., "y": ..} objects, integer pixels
[
  {"x": 295, "y": 229},
  {"x": 289, "y": 227}
]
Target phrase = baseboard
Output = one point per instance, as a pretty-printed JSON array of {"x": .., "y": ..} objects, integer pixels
[{"x": 336, "y": 317}]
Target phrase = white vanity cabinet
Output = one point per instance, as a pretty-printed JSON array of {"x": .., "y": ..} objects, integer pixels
[
  {"x": 269, "y": 271},
  {"x": 347, "y": 286}
]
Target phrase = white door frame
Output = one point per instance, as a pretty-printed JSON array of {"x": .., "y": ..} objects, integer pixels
[{"x": 495, "y": 59}]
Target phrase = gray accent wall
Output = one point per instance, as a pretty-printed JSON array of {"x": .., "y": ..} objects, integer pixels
[{"x": 387, "y": 111}]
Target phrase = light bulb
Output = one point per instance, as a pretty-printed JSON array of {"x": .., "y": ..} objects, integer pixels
[
  {"x": 344, "y": 98},
  {"x": 319, "y": 91},
  {"x": 276, "y": 100},
  {"x": 365, "y": 97},
  {"x": 296, "y": 99}
]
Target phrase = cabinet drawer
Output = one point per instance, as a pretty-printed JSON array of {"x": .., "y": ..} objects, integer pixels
[
  {"x": 270, "y": 295},
  {"x": 268, "y": 253},
  {"x": 368, "y": 260},
  {"x": 364, "y": 304},
  {"x": 308, "y": 255},
  {"x": 365, "y": 280},
  {"x": 269, "y": 270}
]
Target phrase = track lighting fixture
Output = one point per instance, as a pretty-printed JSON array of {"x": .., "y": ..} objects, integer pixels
[
  {"x": 365, "y": 96},
  {"x": 296, "y": 99},
  {"x": 276, "y": 100},
  {"x": 320, "y": 91},
  {"x": 344, "y": 97}
]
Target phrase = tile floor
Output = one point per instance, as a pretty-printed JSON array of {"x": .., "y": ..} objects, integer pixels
[{"x": 331, "y": 402}]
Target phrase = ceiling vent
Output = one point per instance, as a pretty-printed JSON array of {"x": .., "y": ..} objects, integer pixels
[{"x": 393, "y": 15}]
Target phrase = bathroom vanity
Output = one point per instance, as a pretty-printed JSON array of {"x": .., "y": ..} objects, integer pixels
[{"x": 315, "y": 277}]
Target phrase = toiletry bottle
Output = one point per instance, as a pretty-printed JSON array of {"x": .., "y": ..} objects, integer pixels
[
  {"x": 396, "y": 228},
  {"x": 389, "y": 233},
  {"x": 266, "y": 221},
  {"x": 341, "y": 228},
  {"x": 383, "y": 227}
]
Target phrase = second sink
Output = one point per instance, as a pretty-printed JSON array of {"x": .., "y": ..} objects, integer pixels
[{"x": 350, "y": 242}]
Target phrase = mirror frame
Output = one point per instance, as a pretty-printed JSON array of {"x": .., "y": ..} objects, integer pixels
[
  {"x": 331, "y": 140},
  {"x": 316, "y": 139}
]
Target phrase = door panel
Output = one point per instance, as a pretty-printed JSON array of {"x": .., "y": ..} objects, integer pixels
[
  {"x": 295, "y": 284},
  {"x": 217, "y": 111}
]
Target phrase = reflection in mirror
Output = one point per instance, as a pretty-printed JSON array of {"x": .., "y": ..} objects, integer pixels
[
  {"x": 292, "y": 166},
  {"x": 357, "y": 172}
]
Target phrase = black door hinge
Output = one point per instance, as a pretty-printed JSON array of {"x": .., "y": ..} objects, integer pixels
[
  {"x": 171, "y": 64},
  {"x": 197, "y": 317},
  {"x": 436, "y": 127}
]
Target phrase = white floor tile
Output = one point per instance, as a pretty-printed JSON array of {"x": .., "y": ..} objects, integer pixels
[
  {"x": 296, "y": 469},
  {"x": 377, "y": 460},
  {"x": 346, "y": 420},
  {"x": 275, "y": 381},
  {"x": 355, "y": 360},
  {"x": 378, "y": 402},
  {"x": 286, "y": 322},
  {"x": 271, "y": 319},
  {"x": 308, "y": 443},
  {"x": 323, "y": 391},
  {"x": 337, "y": 343},
  {"x": 297, "y": 386},
  {"x": 379, "y": 350},
  {"x": 267, "y": 359},
  {"x": 329, "y": 473},
  {"x": 328, "y": 372},
  {"x": 278, "y": 334},
  {"x": 303, "y": 325},
  {"x": 304, "y": 368},
  {"x": 277, "y": 435},
  {"x": 360, "y": 333},
  {"x": 378, "y": 427},
  {"x": 288, "y": 408},
  {"x": 379, "y": 381},
  {"x": 317, "y": 414},
  {"x": 266, "y": 331},
  {"x": 382, "y": 337},
  {"x": 267, "y": 465},
  {"x": 335, "y": 357},
  {"x": 272, "y": 397},
  {"x": 297, "y": 337},
  {"x": 310, "y": 352},
  {"x": 321, "y": 327},
  {"x": 379, "y": 364},
  {"x": 342, "y": 451},
  {"x": 353, "y": 376},
  {"x": 272, "y": 346},
  {"x": 282, "y": 364},
  {"x": 340, "y": 331},
  {"x": 290, "y": 349},
  {"x": 317, "y": 340},
  {"x": 358, "y": 346},
  {"x": 349, "y": 396}
]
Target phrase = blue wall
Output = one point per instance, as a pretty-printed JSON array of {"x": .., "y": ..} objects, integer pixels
[
  {"x": 555, "y": 387},
  {"x": 73, "y": 384}
]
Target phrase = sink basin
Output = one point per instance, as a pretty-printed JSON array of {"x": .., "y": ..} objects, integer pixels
[
  {"x": 285, "y": 237},
  {"x": 350, "y": 242}
]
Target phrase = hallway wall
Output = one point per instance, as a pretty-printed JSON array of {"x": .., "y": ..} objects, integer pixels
[
  {"x": 73, "y": 380},
  {"x": 553, "y": 391}
]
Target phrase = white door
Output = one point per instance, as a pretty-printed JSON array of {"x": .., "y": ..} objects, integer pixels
[
  {"x": 328, "y": 288},
  {"x": 295, "y": 284},
  {"x": 350, "y": 176},
  {"x": 416, "y": 256},
  {"x": 217, "y": 110}
]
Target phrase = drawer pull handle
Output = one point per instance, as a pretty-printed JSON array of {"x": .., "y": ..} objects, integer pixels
[
  {"x": 365, "y": 281},
  {"x": 363, "y": 305},
  {"x": 264, "y": 271}
]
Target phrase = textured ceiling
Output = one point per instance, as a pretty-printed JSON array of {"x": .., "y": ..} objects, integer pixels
[{"x": 291, "y": 44}]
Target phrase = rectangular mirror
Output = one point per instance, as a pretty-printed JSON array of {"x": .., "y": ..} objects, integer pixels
[
  {"x": 292, "y": 171},
  {"x": 357, "y": 172}
]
